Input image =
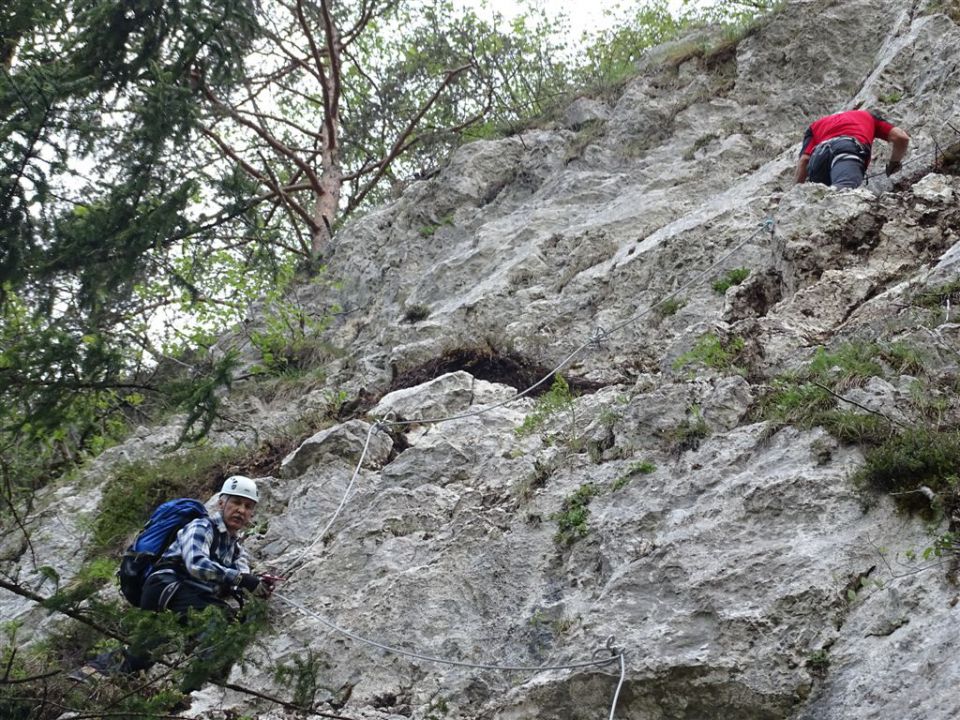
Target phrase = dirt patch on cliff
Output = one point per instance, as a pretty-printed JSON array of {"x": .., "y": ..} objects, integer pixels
[{"x": 507, "y": 368}]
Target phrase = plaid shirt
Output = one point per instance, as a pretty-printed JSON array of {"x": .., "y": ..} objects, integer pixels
[{"x": 210, "y": 572}]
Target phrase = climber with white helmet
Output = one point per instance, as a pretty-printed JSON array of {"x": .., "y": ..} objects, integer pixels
[
  {"x": 204, "y": 566},
  {"x": 206, "y": 561}
]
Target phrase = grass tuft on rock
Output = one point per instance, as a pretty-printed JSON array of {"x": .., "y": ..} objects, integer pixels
[{"x": 914, "y": 465}]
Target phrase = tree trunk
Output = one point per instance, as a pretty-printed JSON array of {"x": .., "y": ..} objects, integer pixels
[
  {"x": 331, "y": 180},
  {"x": 328, "y": 203}
]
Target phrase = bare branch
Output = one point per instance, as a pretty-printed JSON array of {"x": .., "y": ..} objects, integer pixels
[
  {"x": 331, "y": 89},
  {"x": 318, "y": 62},
  {"x": 272, "y": 141},
  {"x": 262, "y": 178},
  {"x": 922, "y": 490},
  {"x": 368, "y": 12},
  {"x": 259, "y": 114},
  {"x": 20, "y": 522},
  {"x": 69, "y": 612},
  {"x": 401, "y": 142},
  {"x": 33, "y": 678},
  {"x": 293, "y": 57},
  {"x": 289, "y": 210}
]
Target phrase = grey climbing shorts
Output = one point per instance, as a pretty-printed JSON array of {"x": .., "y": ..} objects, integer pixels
[{"x": 840, "y": 161}]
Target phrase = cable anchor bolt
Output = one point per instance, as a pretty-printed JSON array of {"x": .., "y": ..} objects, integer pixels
[
  {"x": 609, "y": 646},
  {"x": 383, "y": 423},
  {"x": 598, "y": 337}
]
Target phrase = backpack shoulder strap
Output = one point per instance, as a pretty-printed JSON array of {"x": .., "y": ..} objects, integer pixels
[{"x": 215, "y": 543}]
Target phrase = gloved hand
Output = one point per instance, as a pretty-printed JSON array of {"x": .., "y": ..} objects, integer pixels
[
  {"x": 268, "y": 584},
  {"x": 893, "y": 167},
  {"x": 260, "y": 585},
  {"x": 249, "y": 582}
]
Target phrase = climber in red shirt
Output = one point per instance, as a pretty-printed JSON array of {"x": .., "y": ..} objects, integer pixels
[{"x": 836, "y": 148}]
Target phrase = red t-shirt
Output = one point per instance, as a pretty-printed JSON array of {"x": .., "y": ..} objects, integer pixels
[{"x": 859, "y": 124}]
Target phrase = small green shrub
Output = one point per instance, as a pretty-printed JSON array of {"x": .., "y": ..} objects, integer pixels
[
  {"x": 932, "y": 405},
  {"x": 641, "y": 467},
  {"x": 589, "y": 134},
  {"x": 903, "y": 358},
  {"x": 538, "y": 618},
  {"x": 291, "y": 338},
  {"x": 890, "y": 98},
  {"x": 439, "y": 707},
  {"x": 713, "y": 352},
  {"x": 944, "y": 544},
  {"x": 17, "y": 666},
  {"x": 848, "y": 366},
  {"x": 950, "y": 8},
  {"x": 303, "y": 676},
  {"x": 818, "y": 661},
  {"x": 688, "y": 434},
  {"x": 733, "y": 277},
  {"x": 205, "y": 647},
  {"x": 212, "y": 643},
  {"x": 855, "y": 427},
  {"x": 416, "y": 313},
  {"x": 558, "y": 400},
  {"x": 700, "y": 142},
  {"x": 793, "y": 402},
  {"x": 428, "y": 231},
  {"x": 333, "y": 401},
  {"x": 537, "y": 479},
  {"x": 609, "y": 416},
  {"x": 573, "y": 514},
  {"x": 670, "y": 307},
  {"x": 938, "y": 297},
  {"x": 610, "y": 58},
  {"x": 808, "y": 397},
  {"x": 916, "y": 458}
]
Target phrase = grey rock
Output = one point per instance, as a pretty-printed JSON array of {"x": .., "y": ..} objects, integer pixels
[
  {"x": 346, "y": 441},
  {"x": 934, "y": 189},
  {"x": 446, "y": 395},
  {"x": 584, "y": 110}
]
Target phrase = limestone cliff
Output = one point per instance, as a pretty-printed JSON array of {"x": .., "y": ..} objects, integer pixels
[{"x": 728, "y": 555}]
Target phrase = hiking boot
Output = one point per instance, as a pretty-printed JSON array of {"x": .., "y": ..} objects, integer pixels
[{"x": 87, "y": 674}]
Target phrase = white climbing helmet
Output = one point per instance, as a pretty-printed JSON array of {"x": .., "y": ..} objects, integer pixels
[{"x": 241, "y": 486}]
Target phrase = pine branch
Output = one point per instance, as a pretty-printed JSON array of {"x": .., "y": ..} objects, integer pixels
[{"x": 80, "y": 617}]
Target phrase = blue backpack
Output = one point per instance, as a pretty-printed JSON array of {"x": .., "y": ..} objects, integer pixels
[{"x": 155, "y": 537}]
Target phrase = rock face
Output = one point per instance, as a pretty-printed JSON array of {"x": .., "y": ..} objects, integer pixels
[{"x": 731, "y": 559}]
